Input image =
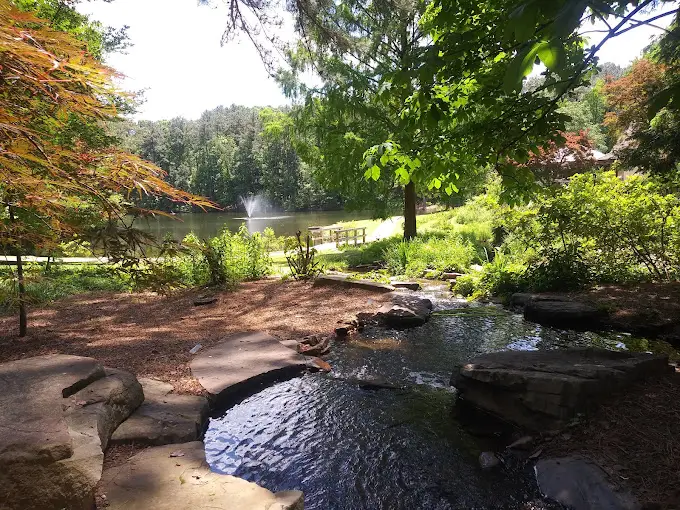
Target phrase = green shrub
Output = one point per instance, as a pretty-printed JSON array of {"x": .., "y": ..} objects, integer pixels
[
  {"x": 300, "y": 257},
  {"x": 225, "y": 259},
  {"x": 599, "y": 229}
]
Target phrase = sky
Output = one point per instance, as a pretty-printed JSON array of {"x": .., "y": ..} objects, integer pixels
[{"x": 178, "y": 59}]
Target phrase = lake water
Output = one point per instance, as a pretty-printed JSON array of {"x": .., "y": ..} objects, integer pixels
[{"x": 209, "y": 224}]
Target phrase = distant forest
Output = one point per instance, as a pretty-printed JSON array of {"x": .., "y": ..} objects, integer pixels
[{"x": 227, "y": 154}]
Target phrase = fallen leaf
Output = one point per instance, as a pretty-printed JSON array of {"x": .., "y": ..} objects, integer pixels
[
  {"x": 536, "y": 453},
  {"x": 177, "y": 453}
]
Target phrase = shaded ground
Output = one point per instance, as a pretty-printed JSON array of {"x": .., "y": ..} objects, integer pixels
[
  {"x": 151, "y": 335},
  {"x": 636, "y": 439},
  {"x": 638, "y": 308}
]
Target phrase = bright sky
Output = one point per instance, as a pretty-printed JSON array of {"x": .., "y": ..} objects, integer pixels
[{"x": 177, "y": 57}]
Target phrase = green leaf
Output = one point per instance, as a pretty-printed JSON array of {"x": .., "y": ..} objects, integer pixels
[
  {"x": 403, "y": 175},
  {"x": 659, "y": 101},
  {"x": 550, "y": 55},
  {"x": 384, "y": 159},
  {"x": 375, "y": 172},
  {"x": 520, "y": 67}
]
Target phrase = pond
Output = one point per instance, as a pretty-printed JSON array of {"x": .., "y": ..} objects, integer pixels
[
  {"x": 210, "y": 224},
  {"x": 392, "y": 445}
]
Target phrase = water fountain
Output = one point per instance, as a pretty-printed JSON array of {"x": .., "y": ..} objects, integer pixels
[{"x": 251, "y": 204}]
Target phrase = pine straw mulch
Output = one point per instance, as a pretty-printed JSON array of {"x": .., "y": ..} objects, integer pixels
[
  {"x": 635, "y": 437},
  {"x": 150, "y": 335},
  {"x": 651, "y": 304}
]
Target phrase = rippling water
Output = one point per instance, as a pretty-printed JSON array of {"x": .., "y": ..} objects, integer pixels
[{"x": 394, "y": 444}]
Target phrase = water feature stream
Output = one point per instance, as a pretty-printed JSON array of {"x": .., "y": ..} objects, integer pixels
[{"x": 392, "y": 445}]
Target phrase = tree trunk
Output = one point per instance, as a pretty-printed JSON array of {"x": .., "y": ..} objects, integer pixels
[
  {"x": 22, "y": 288},
  {"x": 410, "y": 211},
  {"x": 22, "y": 296}
]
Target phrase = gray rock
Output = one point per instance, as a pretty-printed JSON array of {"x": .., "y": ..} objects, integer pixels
[
  {"x": 451, "y": 276},
  {"x": 163, "y": 417},
  {"x": 343, "y": 280},
  {"x": 543, "y": 390},
  {"x": 404, "y": 311},
  {"x": 520, "y": 299},
  {"x": 406, "y": 285},
  {"x": 244, "y": 361},
  {"x": 564, "y": 314},
  {"x": 177, "y": 477},
  {"x": 204, "y": 300},
  {"x": 488, "y": 460},
  {"x": 580, "y": 485},
  {"x": 63, "y": 411}
]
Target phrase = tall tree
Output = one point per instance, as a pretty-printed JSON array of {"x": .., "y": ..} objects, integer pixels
[{"x": 352, "y": 45}]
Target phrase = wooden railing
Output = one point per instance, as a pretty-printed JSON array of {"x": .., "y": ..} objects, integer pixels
[
  {"x": 344, "y": 235},
  {"x": 321, "y": 235},
  {"x": 337, "y": 235}
]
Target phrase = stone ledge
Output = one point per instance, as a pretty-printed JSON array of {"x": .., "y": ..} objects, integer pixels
[{"x": 545, "y": 389}]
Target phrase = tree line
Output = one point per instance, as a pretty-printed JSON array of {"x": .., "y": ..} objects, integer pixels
[{"x": 228, "y": 153}]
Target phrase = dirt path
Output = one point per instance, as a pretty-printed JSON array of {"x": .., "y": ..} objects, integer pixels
[{"x": 151, "y": 335}]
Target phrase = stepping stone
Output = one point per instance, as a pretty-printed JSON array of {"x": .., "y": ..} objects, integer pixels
[
  {"x": 177, "y": 477},
  {"x": 580, "y": 485},
  {"x": 163, "y": 417},
  {"x": 57, "y": 413},
  {"x": 244, "y": 362},
  {"x": 564, "y": 314}
]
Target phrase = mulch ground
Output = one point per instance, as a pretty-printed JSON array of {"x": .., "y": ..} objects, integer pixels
[
  {"x": 151, "y": 335},
  {"x": 653, "y": 303},
  {"x": 635, "y": 437}
]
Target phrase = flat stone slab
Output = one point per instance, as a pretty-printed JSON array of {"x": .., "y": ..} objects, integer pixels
[
  {"x": 545, "y": 389},
  {"x": 163, "y": 418},
  {"x": 406, "y": 285},
  {"x": 580, "y": 485},
  {"x": 57, "y": 414},
  {"x": 343, "y": 280},
  {"x": 242, "y": 360},
  {"x": 177, "y": 477}
]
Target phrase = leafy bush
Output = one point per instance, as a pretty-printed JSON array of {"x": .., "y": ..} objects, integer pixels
[
  {"x": 599, "y": 228},
  {"x": 225, "y": 259},
  {"x": 499, "y": 277}
]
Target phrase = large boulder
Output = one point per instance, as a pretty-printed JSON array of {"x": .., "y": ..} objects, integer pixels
[
  {"x": 177, "y": 477},
  {"x": 404, "y": 311},
  {"x": 544, "y": 390},
  {"x": 576, "y": 315},
  {"x": 57, "y": 414},
  {"x": 163, "y": 417}
]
